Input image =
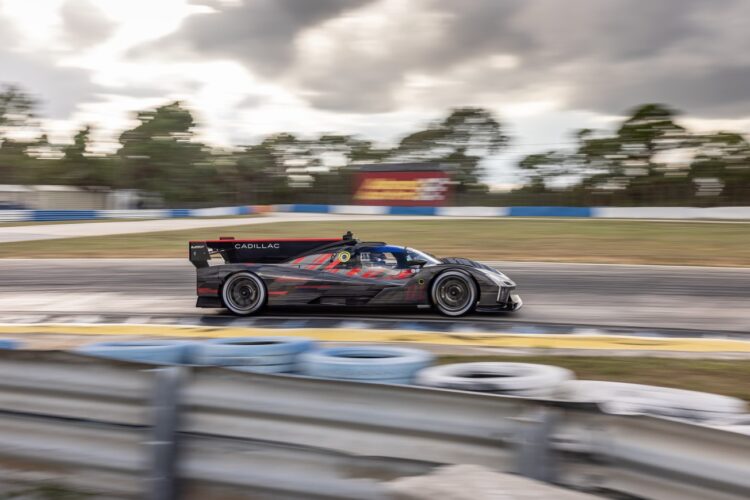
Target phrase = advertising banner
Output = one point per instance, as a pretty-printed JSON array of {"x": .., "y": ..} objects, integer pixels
[{"x": 408, "y": 188}]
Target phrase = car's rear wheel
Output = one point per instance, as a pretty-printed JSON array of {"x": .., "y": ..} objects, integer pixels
[
  {"x": 244, "y": 293},
  {"x": 454, "y": 293}
]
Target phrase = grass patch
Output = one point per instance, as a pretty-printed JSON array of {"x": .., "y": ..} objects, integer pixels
[
  {"x": 706, "y": 375},
  {"x": 565, "y": 240}
]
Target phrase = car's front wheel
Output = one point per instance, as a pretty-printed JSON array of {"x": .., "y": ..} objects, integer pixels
[
  {"x": 244, "y": 293},
  {"x": 454, "y": 293}
]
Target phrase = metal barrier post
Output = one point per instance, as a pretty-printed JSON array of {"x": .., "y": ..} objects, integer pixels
[
  {"x": 162, "y": 477},
  {"x": 535, "y": 454}
]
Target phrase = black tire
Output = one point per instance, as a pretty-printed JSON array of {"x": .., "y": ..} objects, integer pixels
[
  {"x": 454, "y": 293},
  {"x": 244, "y": 294}
]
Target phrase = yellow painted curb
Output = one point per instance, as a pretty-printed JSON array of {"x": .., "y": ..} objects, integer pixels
[{"x": 542, "y": 341}]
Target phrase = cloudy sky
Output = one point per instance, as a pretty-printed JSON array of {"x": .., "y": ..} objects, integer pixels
[{"x": 379, "y": 68}]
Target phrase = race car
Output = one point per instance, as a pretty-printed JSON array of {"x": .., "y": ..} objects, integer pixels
[{"x": 244, "y": 276}]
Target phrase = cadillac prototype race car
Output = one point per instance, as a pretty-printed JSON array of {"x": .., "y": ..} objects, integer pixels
[{"x": 251, "y": 274}]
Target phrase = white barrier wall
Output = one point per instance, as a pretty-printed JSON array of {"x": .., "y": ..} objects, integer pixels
[
  {"x": 359, "y": 210},
  {"x": 133, "y": 214},
  {"x": 726, "y": 213},
  {"x": 673, "y": 213},
  {"x": 687, "y": 213},
  {"x": 14, "y": 215},
  {"x": 214, "y": 212},
  {"x": 473, "y": 211}
]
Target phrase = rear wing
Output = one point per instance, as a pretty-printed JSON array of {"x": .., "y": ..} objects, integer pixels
[{"x": 267, "y": 251}]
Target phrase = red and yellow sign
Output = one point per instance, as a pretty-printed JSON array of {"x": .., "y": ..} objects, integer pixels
[{"x": 427, "y": 188}]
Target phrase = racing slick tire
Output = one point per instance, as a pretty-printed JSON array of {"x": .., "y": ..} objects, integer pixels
[
  {"x": 454, "y": 293},
  {"x": 244, "y": 293}
]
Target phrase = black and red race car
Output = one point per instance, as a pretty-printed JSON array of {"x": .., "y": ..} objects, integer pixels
[{"x": 244, "y": 276}]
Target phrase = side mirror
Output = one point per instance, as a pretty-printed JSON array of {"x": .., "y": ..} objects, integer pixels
[{"x": 416, "y": 263}]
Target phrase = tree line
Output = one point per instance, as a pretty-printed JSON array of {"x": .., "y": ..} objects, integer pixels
[
  {"x": 649, "y": 159},
  {"x": 161, "y": 154}
]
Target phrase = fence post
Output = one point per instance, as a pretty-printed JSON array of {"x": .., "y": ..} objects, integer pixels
[
  {"x": 162, "y": 446},
  {"x": 534, "y": 452}
]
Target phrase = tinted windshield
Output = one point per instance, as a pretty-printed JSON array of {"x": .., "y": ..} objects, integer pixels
[
  {"x": 390, "y": 256},
  {"x": 414, "y": 254}
]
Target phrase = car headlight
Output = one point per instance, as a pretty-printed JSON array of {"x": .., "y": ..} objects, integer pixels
[{"x": 497, "y": 277}]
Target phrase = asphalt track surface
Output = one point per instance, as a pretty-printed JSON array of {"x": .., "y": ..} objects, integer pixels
[{"x": 643, "y": 297}]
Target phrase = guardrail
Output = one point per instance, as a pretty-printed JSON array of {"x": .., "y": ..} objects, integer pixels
[{"x": 125, "y": 429}]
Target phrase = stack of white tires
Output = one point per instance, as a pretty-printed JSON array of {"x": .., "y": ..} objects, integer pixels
[
  {"x": 253, "y": 354},
  {"x": 399, "y": 365},
  {"x": 515, "y": 379},
  {"x": 635, "y": 399},
  {"x": 388, "y": 365},
  {"x": 9, "y": 344},
  {"x": 161, "y": 352}
]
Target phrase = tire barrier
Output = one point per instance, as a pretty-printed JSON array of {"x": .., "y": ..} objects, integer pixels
[
  {"x": 254, "y": 354},
  {"x": 271, "y": 369},
  {"x": 9, "y": 344},
  {"x": 636, "y": 399},
  {"x": 393, "y": 365},
  {"x": 517, "y": 379},
  {"x": 170, "y": 352},
  {"x": 733, "y": 423}
]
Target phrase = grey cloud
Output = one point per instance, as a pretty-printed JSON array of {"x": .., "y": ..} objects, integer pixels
[
  {"x": 358, "y": 82},
  {"x": 476, "y": 27},
  {"x": 259, "y": 33},
  {"x": 616, "y": 30},
  {"x": 721, "y": 92},
  {"x": 58, "y": 90},
  {"x": 7, "y": 32},
  {"x": 610, "y": 55},
  {"x": 84, "y": 24}
]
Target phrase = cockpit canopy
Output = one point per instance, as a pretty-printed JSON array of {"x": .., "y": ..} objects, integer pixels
[{"x": 390, "y": 256}]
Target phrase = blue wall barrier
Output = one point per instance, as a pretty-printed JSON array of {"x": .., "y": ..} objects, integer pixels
[
  {"x": 83, "y": 215},
  {"x": 446, "y": 211},
  {"x": 51, "y": 215},
  {"x": 674, "y": 213},
  {"x": 550, "y": 212},
  {"x": 303, "y": 208},
  {"x": 179, "y": 213},
  {"x": 412, "y": 210}
]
